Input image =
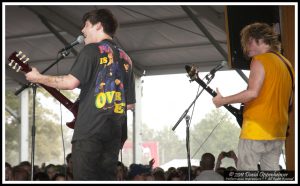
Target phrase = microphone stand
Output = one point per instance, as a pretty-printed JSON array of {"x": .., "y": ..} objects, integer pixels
[
  {"x": 209, "y": 77},
  {"x": 187, "y": 119},
  {"x": 34, "y": 87}
]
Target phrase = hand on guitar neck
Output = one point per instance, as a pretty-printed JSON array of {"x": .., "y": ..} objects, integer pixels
[
  {"x": 218, "y": 99},
  {"x": 193, "y": 74},
  {"x": 19, "y": 63}
]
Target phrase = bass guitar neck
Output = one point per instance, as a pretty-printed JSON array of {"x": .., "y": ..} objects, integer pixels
[{"x": 193, "y": 74}]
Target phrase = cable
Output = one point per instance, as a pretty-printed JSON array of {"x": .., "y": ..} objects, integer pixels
[
  {"x": 209, "y": 134},
  {"x": 209, "y": 80},
  {"x": 194, "y": 105},
  {"x": 62, "y": 133},
  {"x": 63, "y": 142}
]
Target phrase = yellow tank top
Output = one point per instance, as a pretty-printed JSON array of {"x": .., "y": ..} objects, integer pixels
[{"x": 266, "y": 117}]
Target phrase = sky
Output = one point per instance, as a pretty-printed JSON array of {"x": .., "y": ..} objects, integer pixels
[{"x": 166, "y": 97}]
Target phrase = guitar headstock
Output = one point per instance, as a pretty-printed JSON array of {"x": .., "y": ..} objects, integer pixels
[
  {"x": 18, "y": 61},
  {"x": 192, "y": 72}
]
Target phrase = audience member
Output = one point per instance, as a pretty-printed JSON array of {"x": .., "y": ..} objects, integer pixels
[
  {"x": 207, "y": 165},
  {"x": 138, "y": 172},
  {"x": 8, "y": 172}
]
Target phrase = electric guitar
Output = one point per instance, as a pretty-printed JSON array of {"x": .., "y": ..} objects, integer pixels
[
  {"x": 18, "y": 62},
  {"x": 193, "y": 74}
]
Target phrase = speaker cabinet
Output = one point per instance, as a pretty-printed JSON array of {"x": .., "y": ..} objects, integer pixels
[{"x": 236, "y": 18}]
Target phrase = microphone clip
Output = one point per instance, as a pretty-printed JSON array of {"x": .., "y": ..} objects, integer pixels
[
  {"x": 209, "y": 76},
  {"x": 65, "y": 52}
]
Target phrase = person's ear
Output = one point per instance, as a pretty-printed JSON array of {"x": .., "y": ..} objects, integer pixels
[{"x": 99, "y": 26}]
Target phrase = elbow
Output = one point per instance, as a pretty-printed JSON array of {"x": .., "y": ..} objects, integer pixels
[
  {"x": 252, "y": 95},
  {"x": 72, "y": 83},
  {"x": 72, "y": 86}
]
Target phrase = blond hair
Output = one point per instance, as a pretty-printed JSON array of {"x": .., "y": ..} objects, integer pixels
[{"x": 259, "y": 31}]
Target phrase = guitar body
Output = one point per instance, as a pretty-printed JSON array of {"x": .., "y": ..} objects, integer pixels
[
  {"x": 193, "y": 74},
  {"x": 17, "y": 60}
]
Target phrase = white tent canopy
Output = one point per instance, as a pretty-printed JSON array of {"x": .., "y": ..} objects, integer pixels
[{"x": 160, "y": 39}]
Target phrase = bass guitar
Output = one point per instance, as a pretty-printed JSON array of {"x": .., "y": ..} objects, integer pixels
[
  {"x": 193, "y": 74},
  {"x": 18, "y": 62}
]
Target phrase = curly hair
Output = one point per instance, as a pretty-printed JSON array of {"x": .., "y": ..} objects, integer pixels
[{"x": 259, "y": 31}]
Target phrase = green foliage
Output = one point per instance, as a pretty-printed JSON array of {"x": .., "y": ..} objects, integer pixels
[
  {"x": 67, "y": 93},
  {"x": 48, "y": 142},
  {"x": 214, "y": 134},
  {"x": 223, "y": 138},
  {"x": 170, "y": 146},
  {"x": 12, "y": 129},
  {"x": 11, "y": 142}
]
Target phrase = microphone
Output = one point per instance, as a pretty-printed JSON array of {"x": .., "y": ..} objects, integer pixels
[
  {"x": 221, "y": 65},
  {"x": 79, "y": 40},
  {"x": 211, "y": 73}
]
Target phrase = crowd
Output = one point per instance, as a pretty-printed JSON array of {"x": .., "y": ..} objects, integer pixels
[{"x": 209, "y": 169}]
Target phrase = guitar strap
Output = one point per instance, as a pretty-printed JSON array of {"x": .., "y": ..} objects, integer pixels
[{"x": 291, "y": 74}]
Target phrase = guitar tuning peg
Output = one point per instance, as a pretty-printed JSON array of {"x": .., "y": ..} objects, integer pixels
[
  {"x": 20, "y": 52},
  {"x": 14, "y": 67},
  {"x": 27, "y": 59},
  {"x": 23, "y": 57},
  {"x": 11, "y": 63},
  {"x": 19, "y": 69}
]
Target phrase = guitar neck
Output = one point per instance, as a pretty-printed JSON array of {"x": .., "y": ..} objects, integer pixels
[
  {"x": 18, "y": 62},
  {"x": 59, "y": 96},
  {"x": 230, "y": 108}
]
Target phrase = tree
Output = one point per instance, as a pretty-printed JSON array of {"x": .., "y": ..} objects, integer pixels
[
  {"x": 216, "y": 131},
  {"x": 170, "y": 146},
  {"x": 214, "y": 134},
  {"x": 48, "y": 147},
  {"x": 11, "y": 129}
]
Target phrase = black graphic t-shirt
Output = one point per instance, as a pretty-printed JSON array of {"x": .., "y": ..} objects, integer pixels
[{"x": 107, "y": 86}]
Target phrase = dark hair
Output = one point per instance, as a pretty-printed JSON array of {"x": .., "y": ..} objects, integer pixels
[
  {"x": 7, "y": 165},
  {"x": 25, "y": 163},
  {"x": 41, "y": 176},
  {"x": 105, "y": 16},
  {"x": 138, "y": 169},
  {"x": 57, "y": 175},
  {"x": 207, "y": 161},
  {"x": 69, "y": 156}
]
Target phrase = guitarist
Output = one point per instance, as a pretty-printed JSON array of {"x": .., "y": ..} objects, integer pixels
[
  {"x": 103, "y": 72},
  {"x": 267, "y": 99}
]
